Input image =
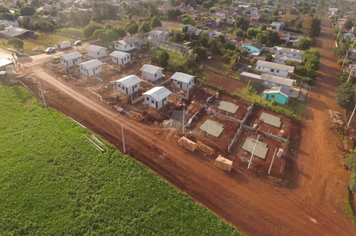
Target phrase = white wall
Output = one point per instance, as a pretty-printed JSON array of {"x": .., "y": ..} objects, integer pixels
[
  {"x": 127, "y": 90},
  {"x": 125, "y": 48},
  {"x": 122, "y": 61},
  {"x": 183, "y": 85},
  {"x": 69, "y": 63},
  {"x": 155, "y": 104},
  {"x": 152, "y": 77},
  {"x": 99, "y": 54},
  {"x": 272, "y": 71},
  {"x": 91, "y": 71},
  {"x": 290, "y": 55}
]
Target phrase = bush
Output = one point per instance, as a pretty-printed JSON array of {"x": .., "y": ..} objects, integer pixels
[
  {"x": 301, "y": 70},
  {"x": 88, "y": 30},
  {"x": 308, "y": 80},
  {"x": 17, "y": 43},
  {"x": 274, "y": 102}
]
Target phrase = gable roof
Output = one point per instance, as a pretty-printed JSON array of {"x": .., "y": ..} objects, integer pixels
[
  {"x": 158, "y": 93},
  {"x": 119, "y": 54},
  {"x": 14, "y": 31},
  {"x": 95, "y": 48},
  {"x": 278, "y": 89},
  {"x": 129, "y": 80},
  {"x": 289, "y": 69},
  {"x": 150, "y": 68},
  {"x": 130, "y": 41},
  {"x": 71, "y": 56},
  {"x": 277, "y": 79},
  {"x": 157, "y": 32},
  {"x": 91, "y": 64},
  {"x": 288, "y": 50},
  {"x": 257, "y": 45},
  {"x": 182, "y": 77}
]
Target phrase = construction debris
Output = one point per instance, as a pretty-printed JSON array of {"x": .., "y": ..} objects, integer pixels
[
  {"x": 336, "y": 117},
  {"x": 187, "y": 144},
  {"x": 223, "y": 163},
  {"x": 204, "y": 148},
  {"x": 138, "y": 116}
]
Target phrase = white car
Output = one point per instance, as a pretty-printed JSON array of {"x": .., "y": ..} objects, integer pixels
[
  {"x": 77, "y": 43},
  {"x": 49, "y": 50}
]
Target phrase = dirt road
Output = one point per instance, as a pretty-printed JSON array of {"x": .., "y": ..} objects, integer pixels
[{"x": 254, "y": 205}]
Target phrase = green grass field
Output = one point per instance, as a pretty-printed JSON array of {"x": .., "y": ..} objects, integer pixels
[{"x": 54, "y": 182}]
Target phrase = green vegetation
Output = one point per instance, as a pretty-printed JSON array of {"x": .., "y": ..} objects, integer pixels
[
  {"x": 347, "y": 206},
  {"x": 54, "y": 182}
]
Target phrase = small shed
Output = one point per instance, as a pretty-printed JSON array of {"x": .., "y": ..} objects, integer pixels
[
  {"x": 183, "y": 81},
  {"x": 96, "y": 51},
  {"x": 157, "y": 97},
  {"x": 151, "y": 72},
  {"x": 90, "y": 68},
  {"x": 120, "y": 58},
  {"x": 71, "y": 59},
  {"x": 129, "y": 84},
  {"x": 280, "y": 94}
]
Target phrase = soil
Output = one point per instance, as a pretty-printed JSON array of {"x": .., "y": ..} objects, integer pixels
[
  {"x": 221, "y": 81},
  {"x": 253, "y": 203}
]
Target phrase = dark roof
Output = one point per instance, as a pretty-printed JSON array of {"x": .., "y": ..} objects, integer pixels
[
  {"x": 14, "y": 31},
  {"x": 257, "y": 45}
]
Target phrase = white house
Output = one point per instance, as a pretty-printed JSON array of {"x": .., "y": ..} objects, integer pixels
[
  {"x": 284, "y": 59},
  {"x": 8, "y": 23},
  {"x": 274, "y": 68},
  {"x": 129, "y": 44},
  {"x": 270, "y": 81},
  {"x": 157, "y": 97},
  {"x": 90, "y": 68},
  {"x": 277, "y": 26},
  {"x": 120, "y": 58},
  {"x": 151, "y": 72},
  {"x": 183, "y": 81},
  {"x": 289, "y": 52},
  {"x": 129, "y": 84},
  {"x": 96, "y": 51},
  {"x": 158, "y": 36},
  {"x": 71, "y": 59}
]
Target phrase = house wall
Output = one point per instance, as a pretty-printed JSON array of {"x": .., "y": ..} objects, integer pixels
[
  {"x": 272, "y": 71},
  {"x": 152, "y": 77},
  {"x": 158, "y": 38},
  {"x": 279, "y": 61},
  {"x": 246, "y": 79},
  {"x": 99, "y": 54},
  {"x": 251, "y": 49},
  {"x": 290, "y": 55},
  {"x": 127, "y": 90},
  {"x": 122, "y": 61},
  {"x": 269, "y": 84},
  {"x": 278, "y": 97},
  {"x": 184, "y": 86},
  {"x": 70, "y": 63},
  {"x": 352, "y": 55},
  {"x": 125, "y": 48},
  {"x": 91, "y": 71},
  {"x": 230, "y": 19},
  {"x": 155, "y": 104}
]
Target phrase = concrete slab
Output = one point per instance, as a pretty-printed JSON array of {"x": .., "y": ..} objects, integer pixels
[
  {"x": 228, "y": 106},
  {"x": 270, "y": 119},
  {"x": 213, "y": 128},
  {"x": 261, "y": 148}
]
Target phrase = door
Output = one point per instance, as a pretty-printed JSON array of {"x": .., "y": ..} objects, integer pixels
[
  {"x": 93, "y": 72},
  {"x": 156, "y": 104},
  {"x": 267, "y": 97},
  {"x": 181, "y": 84},
  {"x": 127, "y": 91}
]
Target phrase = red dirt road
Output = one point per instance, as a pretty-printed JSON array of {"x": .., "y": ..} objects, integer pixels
[{"x": 254, "y": 205}]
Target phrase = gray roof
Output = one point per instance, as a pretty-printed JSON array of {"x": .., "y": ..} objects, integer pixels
[
  {"x": 277, "y": 79},
  {"x": 14, "y": 31},
  {"x": 156, "y": 32},
  {"x": 260, "y": 150},
  {"x": 5, "y": 62},
  {"x": 129, "y": 80},
  {"x": 228, "y": 106},
  {"x": 150, "y": 68},
  {"x": 285, "y": 58},
  {"x": 95, "y": 48},
  {"x": 213, "y": 128},
  {"x": 119, "y": 54},
  {"x": 289, "y": 69},
  {"x": 278, "y": 89},
  {"x": 182, "y": 77},
  {"x": 257, "y": 45},
  {"x": 270, "y": 119},
  {"x": 131, "y": 40},
  {"x": 71, "y": 56},
  {"x": 158, "y": 93},
  {"x": 289, "y": 50},
  {"x": 91, "y": 64},
  {"x": 251, "y": 75}
]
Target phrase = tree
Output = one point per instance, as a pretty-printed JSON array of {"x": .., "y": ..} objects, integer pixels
[
  {"x": 242, "y": 23},
  {"x": 145, "y": 27},
  {"x": 262, "y": 37},
  {"x": 185, "y": 29},
  {"x": 348, "y": 24},
  {"x": 131, "y": 28},
  {"x": 345, "y": 95},
  {"x": 17, "y": 43},
  {"x": 269, "y": 57},
  {"x": 27, "y": 11},
  {"x": 311, "y": 26},
  {"x": 304, "y": 44},
  {"x": 252, "y": 32},
  {"x": 177, "y": 36},
  {"x": 298, "y": 25},
  {"x": 273, "y": 38},
  {"x": 200, "y": 52},
  {"x": 263, "y": 27},
  {"x": 88, "y": 30},
  {"x": 163, "y": 59},
  {"x": 208, "y": 4},
  {"x": 203, "y": 40},
  {"x": 155, "y": 22}
]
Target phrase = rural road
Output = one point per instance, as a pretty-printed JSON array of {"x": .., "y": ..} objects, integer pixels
[{"x": 254, "y": 205}]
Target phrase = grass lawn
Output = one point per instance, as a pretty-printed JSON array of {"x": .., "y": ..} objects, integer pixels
[
  {"x": 73, "y": 33},
  {"x": 54, "y": 182}
]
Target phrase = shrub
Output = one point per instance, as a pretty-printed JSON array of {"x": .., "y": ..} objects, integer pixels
[
  {"x": 274, "y": 102},
  {"x": 301, "y": 70},
  {"x": 308, "y": 80}
]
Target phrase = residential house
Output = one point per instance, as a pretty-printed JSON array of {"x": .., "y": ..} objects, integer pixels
[
  {"x": 269, "y": 81},
  {"x": 274, "y": 68},
  {"x": 96, "y": 51},
  {"x": 186, "y": 9},
  {"x": 129, "y": 44},
  {"x": 352, "y": 70},
  {"x": 183, "y": 81},
  {"x": 289, "y": 52},
  {"x": 163, "y": 29},
  {"x": 349, "y": 35},
  {"x": 332, "y": 9},
  {"x": 9, "y": 23},
  {"x": 277, "y": 26},
  {"x": 352, "y": 54},
  {"x": 151, "y": 72},
  {"x": 284, "y": 36},
  {"x": 51, "y": 18},
  {"x": 158, "y": 36},
  {"x": 157, "y": 97},
  {"x": 71, "y": 59},
  {"x": 16, "y": 32},
  {"x": 255, "y": 18},
  {"x": 120, "y": 58},
  {"x": 90, "y": 68},
  {"x": 280, "y": 94},
  {"x": 253, "y": 48},
  {"x": 211, "y": 23},
  {"x": 221, "y": 15},
  {"x": 128, "y": 85},
  {"x": 280, "y": 59},
  {"x": 232, "y": 14},
  {"x": 45, "y": 7}
]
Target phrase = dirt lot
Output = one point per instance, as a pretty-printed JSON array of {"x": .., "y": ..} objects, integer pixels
[
  {"x": 255, "y": 205},
  {"x": 220, "y": 81}
]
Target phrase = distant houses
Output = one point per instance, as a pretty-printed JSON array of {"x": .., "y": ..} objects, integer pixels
[{"x": 158, "y": 36}]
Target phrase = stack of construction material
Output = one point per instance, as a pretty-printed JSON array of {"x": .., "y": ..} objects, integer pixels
[
  {"x": 187, "y": 144},
  {"x": 204, "y": 148},
  {"x": 223, "y": 163},
  {"x": 137, "y": 116}
]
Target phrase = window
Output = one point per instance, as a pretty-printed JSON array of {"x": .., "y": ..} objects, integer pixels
[
  {"x": 272, "y": 70},
  {"x": 125, "y": 46},
  {"x": 123, "y": 87},
  {"x": 259, "y": 67},
  {"x": 147, "y": 98},
  {"x": 155, "y": 75},
  {"x": 152, "y": 101},
  {"x": 119, "y": 86},
  {"x": 272, "y": 96},
  {"x": 136, "y": 86},
  {"x": 277, "y": 71},
  {"x": 124, "y": 59}
]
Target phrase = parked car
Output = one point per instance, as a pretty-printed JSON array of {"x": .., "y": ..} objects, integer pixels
[
  {"x": 49, "y": 50},
  {"x": 19, "y": 54},
  {"x": 77, "y": 43}
]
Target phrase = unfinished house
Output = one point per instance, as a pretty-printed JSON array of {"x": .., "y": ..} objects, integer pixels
[
  {"x": 157, "y": 97},
  {"x": 183, "y": 81},
  {"x": 120, "y": 58},
  {"x": 128, "y": 85},
  {"x": 151, "y": 72},
  {"x": 90, "y": 68}
]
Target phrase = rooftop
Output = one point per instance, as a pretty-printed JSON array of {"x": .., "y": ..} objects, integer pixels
[
  {"x": 150, "y": 68},
  {"x": 129, "y": 80},
  {"x": 228, "y": 106},
  {"x": 158, "y": 93},
  {"x": 14, "y": 31},
  {"x": 71, "y": 56},
  {"x": 278, "y": 89},
  {"x": 270, "y": 119},
  {"x": 260, "y": 150},
  {"x": 278, "y": 79},
  {"x": 130, "y": 41},
  {"x": 91, "y": 64},
  {"x": 289, "y": 69},
  {"x": 182, "y": 77},
  {"x": 94, "y": 48},
  {"x": 119, "y": 54},
  {"x": 213, "y": 128}
]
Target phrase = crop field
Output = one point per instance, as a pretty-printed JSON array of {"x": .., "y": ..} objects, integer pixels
[{"x": 54, "y": 182}]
